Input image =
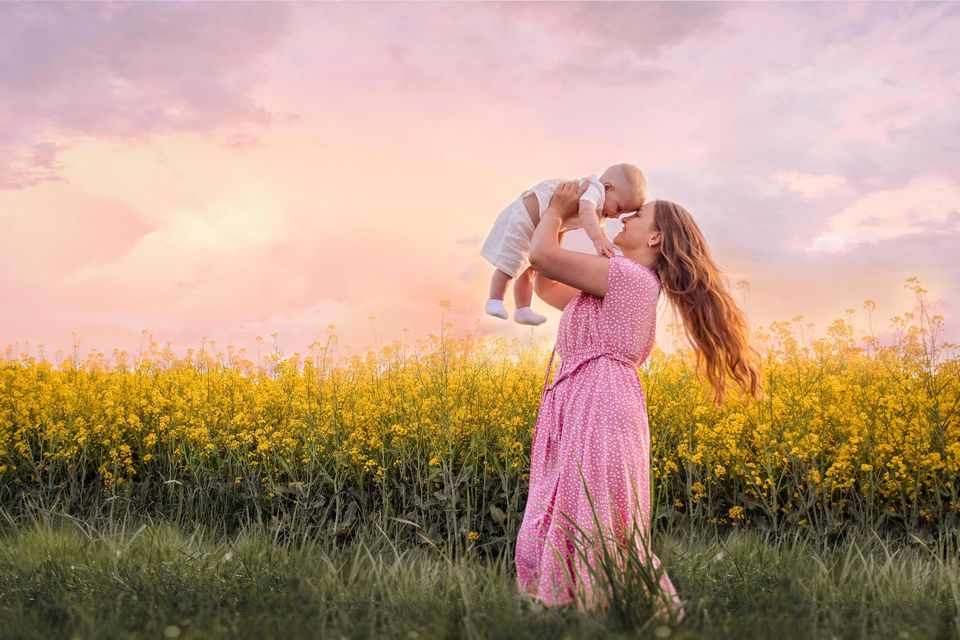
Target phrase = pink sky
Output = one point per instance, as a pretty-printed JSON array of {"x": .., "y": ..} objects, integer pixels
[{"x": 234, "y": 170}]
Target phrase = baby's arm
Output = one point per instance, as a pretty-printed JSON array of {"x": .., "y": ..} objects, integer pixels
[{"x": 590, "y": 221}]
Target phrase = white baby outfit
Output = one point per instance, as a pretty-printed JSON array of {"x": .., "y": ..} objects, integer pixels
[{"x": 508, "y": 244}]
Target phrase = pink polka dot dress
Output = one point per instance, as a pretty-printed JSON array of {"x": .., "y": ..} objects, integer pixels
[{"x": 593, "y": 417}]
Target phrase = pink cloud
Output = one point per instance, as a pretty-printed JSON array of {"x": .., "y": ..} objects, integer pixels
[
  {"x": 154, "y": 177},
  {"x": 923, "y": 206},
  {"x": 810, "y": 185},
  {"x": 125, "y": 71}
]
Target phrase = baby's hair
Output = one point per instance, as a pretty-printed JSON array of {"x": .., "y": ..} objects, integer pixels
[
  {"x": 641, "y": 182},
  {"x": 635, "y": 178}
]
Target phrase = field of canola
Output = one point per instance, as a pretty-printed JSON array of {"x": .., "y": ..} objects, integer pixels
[{"x": 437, "y": 436}]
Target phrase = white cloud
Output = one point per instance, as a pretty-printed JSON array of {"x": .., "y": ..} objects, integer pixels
[
  {"x": 810, "y": 185},
  {"x": 127, "y": 71},
  {"x": 196, "y": 245},
  {"x": 925, "y": 205}
]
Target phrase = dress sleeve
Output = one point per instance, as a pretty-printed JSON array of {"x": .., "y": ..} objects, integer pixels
[{"x": 631, "y": 288}]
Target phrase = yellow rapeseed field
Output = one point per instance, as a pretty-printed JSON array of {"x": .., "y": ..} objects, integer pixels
[{"x": 439, "y": 434}]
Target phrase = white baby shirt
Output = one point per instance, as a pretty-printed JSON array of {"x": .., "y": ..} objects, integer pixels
[{"x": 595, "y": 194}]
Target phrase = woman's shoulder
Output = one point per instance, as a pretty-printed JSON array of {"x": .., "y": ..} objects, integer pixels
[
  {"x": 634, "y": 269},
  {"x": 631, "y": 285}
]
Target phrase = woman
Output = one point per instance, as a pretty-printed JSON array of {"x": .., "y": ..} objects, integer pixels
[{"x": 592, "y": 433}]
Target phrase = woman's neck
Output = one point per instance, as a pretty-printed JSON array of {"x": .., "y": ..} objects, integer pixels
[{"x": 644, "y": 256}]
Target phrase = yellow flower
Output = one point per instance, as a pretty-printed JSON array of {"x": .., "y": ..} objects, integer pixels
[
  {"x": 471, "y": 403},
  {"x": 472, "y": 536}
]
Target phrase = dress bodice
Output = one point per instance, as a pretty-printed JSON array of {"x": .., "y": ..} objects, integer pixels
[{"x": 620, "y": 325}]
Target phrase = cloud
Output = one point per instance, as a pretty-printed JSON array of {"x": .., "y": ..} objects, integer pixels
[
  {"x": 611, "y": 43},
  {"x": 808, "y": 184},
  {"x": 126, "y": 70},
  {"x": 859, "y": 91},
  {"x": 925, "y": 206},
  {"x": 202, "y": 259},
  {"x": 775, "y": 125},
  {"x": 49, "y": 232},
  {"x": 29, "y": 164},
  {"x": 494, "y": 49}
]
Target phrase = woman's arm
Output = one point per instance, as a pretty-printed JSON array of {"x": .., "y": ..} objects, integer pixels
[
  {"x": 556, "y": 294},
  {"x": 578, "y": 270}
]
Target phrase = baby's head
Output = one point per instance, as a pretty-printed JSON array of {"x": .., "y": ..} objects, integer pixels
[{"x": 626, "y": 189}]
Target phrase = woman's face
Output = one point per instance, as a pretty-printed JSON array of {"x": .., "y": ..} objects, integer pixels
[{"x": 637, "y": 229}]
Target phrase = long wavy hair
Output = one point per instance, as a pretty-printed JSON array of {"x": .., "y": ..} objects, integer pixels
[{"x": 713, "y": 323}]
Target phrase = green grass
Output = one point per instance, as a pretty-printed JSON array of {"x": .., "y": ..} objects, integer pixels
[{"x": 65, "y": 578}]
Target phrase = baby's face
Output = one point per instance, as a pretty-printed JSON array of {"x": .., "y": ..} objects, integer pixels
[{"x": 617, "y": 202}]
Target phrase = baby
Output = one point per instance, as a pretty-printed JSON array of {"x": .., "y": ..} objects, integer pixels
[{"x": 621, "y": 188}]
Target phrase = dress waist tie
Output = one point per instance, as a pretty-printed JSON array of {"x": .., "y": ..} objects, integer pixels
[
  {"x": 568, "y": 365},
  {"x": 572, "y": 362}
]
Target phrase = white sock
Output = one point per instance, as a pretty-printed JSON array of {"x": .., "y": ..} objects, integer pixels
[
  {"x": 526, "y": 315},
  {"x": 495, "y": 308}
]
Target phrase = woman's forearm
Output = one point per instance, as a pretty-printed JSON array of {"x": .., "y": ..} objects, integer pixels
[{"x": 545, "y": 252}]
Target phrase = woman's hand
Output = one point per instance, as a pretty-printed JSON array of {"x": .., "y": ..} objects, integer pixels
[
  {"x": 566, "y": 199},
  {"x": 574, "y": 269}
]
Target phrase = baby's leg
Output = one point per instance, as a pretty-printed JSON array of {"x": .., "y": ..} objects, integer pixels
[
  {"x": 498, "y": 284},
  {"x": 522, "y": 295},
  {"x": 498, "y": 288}
]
